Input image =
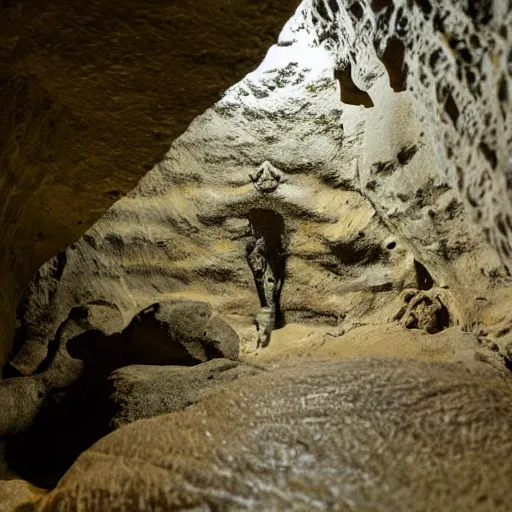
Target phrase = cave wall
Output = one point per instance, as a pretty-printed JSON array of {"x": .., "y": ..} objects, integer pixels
[
  {"x": 455, "y": 60},
  {"x": 365, "y": 203},
  {"x": 91, "y": 96},
  {"x": 183, "y": 232},
  {"x": 370, "y": 155}
]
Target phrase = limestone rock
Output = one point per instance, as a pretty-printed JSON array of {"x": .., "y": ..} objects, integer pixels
[
  {"x": 157, "y": 332},
  {"x": 455, "y": 61},
  {"x": 143, "y": 391},
  {"x": 424, "y": 310},
  {"x": 21, "y": 400},
  {"x": 167, "y": 333},
  {"x": 221, "y": 339},
  {"x": 184, "y": 232},
  {"x": 366, "y": 435},
  {"x": 92, "y": 94}
]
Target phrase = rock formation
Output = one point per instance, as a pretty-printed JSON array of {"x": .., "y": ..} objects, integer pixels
[
  {"x": 182, "y": 333},
  {"x": 143, "y": 391},
  {"x": 189, "y": 228},
  {"x": 366, "y": 222},
  {"x": 337, "y": 435}
]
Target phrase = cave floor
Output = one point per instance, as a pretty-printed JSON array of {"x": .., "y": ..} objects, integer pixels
[{"x": 299, "y": 345}]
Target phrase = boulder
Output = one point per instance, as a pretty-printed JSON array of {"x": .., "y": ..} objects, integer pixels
[
  {"x": 179, "y": 332},
  {"x": 142, "y": 391}
]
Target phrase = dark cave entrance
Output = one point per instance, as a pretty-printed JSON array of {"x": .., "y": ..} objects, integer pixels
[{"x": 266, "y": 255}]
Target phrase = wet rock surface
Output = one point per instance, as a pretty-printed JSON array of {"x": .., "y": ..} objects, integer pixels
[{"x": 367, "y": 435}]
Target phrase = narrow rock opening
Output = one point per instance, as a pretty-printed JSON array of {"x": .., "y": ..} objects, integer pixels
[
  {"x": 350, "y": 92},
  {"x": 423, "y": 277},
  {"x": 393, "y": 60},
  {"x": 333, "y": 4},
  {"x": 489, "y": 154},
  {"x": 451, "y": 109},
  {"x": 443, "y": 318},
  {"x": 356, "y": 10},
  {"x": 406, "y": 153},
  {"x": 425, "y": 6},
  {"x": 267, "y": 260},
  {"x": 379, "y": 5}
]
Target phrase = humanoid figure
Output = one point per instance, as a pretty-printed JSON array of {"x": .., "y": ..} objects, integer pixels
[{"x": 268, "y": 285}]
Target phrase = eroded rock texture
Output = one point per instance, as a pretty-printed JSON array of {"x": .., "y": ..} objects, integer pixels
[
  {"x": 354, "y": 435},
  {"x": 178, "y": 333},
  {"x": 91, "y": 96},
  {"x": 199, "y": 225},
  {"x": 358, "y": 176},
  {"x": 367, "y": 220},
  {"x": 455, "y": 59},
  {"x": 50, "y": 417}
]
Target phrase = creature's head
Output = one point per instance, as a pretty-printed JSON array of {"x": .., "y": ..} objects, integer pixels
[{"x": 266, "y": 178}]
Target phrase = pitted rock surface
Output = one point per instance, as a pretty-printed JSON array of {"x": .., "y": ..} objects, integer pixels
[
  {"x": 348, "y": 435},
  {"x": 361, "y": 175},
  {"x": 456, "y": 61}
]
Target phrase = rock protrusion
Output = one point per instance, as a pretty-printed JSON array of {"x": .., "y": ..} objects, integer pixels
[
  {"x": 424, "y": 309},
  {"x": 50, "y": 417},
  {"x": 142, "y": 391},
  {"x": 186, "y": 324}
]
